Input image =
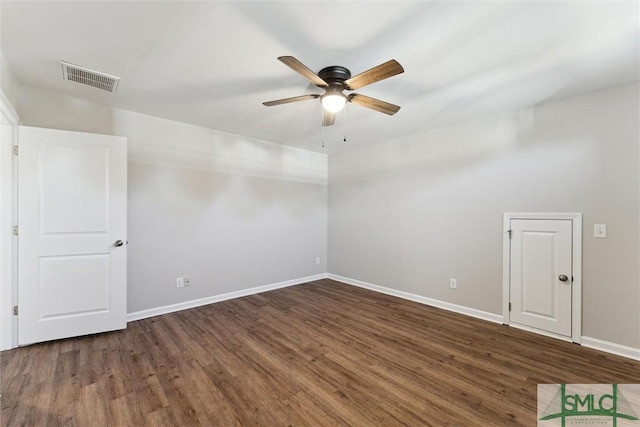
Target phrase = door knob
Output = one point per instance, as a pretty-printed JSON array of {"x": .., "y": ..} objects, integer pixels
[
  {"x": 563, "y": 278},
  {"x": 119, "y": 243}
]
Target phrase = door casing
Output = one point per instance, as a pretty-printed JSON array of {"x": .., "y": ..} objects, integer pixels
[
  {"x": 8, "y": 218},
  {"x": 576, "y": 297}
]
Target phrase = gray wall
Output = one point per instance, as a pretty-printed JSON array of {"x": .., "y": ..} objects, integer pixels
[
  {"x": 8, "y": 82},
  {"x": 410, "y": 214},
  {"x": 407, "y": 214},
  {"x": 229, "y": 212}
]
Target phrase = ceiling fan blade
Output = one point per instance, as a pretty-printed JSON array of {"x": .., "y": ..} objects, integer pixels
[
  {"x": 328, "y": 118},
  {"x": 374, "y": 104},
  {"x": 375, "y": 74},
  {"x": 293, "y": 99},
  {"x": 302, "y": 69}
]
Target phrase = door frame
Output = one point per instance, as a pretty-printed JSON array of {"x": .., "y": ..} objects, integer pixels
[
  {"x": 576, "y": 261},
  {"x": 8, "y": 218}
]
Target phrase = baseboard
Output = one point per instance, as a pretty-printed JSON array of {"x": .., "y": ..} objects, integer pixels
[
  {"x": 157, "y": 311},
  {"x": 594, "y": 343},
  {"x": 613, "y": 348},
  {"x": 491, "y": 317}
]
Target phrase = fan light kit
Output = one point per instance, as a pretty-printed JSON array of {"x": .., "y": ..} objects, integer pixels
[
  {"x": 336, "y": 79},
  {"x": 333, "y": 101}
]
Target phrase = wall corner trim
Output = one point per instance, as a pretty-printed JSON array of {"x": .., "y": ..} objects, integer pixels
[
  {"x": 8, "y": 109},
  {"x": 491, "y": 317},
  {"x": 166, "y": 309},
  {"x": 610, "y": 347}
]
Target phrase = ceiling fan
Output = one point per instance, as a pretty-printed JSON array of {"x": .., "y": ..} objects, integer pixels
[{"x": 335, "y": 80}]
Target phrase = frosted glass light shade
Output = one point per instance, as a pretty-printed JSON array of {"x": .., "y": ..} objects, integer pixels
[{"x": 333, "y": 103}]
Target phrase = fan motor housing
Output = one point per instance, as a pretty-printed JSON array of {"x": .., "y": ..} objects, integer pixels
[{"x": 335, "y": 74}]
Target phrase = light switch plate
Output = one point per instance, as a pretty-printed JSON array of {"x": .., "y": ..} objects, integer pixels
[{"x": 600, "y": 231}]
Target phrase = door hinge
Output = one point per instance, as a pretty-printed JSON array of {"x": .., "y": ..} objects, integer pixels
[
  {"x": 510, "y": 233},
  {"x": 509, "y": 306},
  {"x": 15, "y": 150},
  {"x": 15, "y": 310},
  {"x": 15, "y": 230}
]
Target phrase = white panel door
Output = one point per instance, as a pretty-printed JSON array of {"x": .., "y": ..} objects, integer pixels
[
  {"x": 541, "y": 274},
  {"x": 72, "y": 234}
]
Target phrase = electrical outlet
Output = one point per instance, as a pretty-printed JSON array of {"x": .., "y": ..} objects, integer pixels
[
  {"x": 453, "y": 283},
  {"x": 179, "y": 282},
  {"x": 318, "y": 260},
  {"x": 187, "y": 281}
]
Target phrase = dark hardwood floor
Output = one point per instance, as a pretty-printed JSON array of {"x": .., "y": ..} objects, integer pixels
[{"x": 320, "y": 354}]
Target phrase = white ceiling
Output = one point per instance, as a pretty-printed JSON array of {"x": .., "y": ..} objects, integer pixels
[{"x": 213, "y": 63}]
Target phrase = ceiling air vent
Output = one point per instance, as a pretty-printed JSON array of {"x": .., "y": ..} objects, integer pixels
[{"x": 99, "y": 80}]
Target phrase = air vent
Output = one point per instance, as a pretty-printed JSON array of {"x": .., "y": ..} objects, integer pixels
[{"x": 99, "y": 80}]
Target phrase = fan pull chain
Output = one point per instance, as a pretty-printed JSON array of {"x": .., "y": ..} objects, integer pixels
[
  {"x": 323, "y": 134},
  {"x": 345, "y": 124}
]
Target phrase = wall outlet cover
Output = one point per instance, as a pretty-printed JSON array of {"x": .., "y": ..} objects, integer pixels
[{"x": 600, "y": 231}]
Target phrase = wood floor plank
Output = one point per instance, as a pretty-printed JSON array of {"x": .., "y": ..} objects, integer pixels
[{"x": 319, "y": 354}]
